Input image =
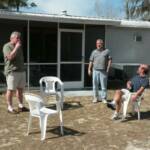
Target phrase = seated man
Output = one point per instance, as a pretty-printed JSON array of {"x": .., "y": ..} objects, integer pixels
[{"x": 137, "y": 85}]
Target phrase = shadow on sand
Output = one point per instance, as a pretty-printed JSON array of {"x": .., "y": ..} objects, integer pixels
[
  {"x": 56, "y": 131},
  {"x": 67, "y": 131},
  {"x": 144, "y": 116},
  {"x": 67, "y": 105}
]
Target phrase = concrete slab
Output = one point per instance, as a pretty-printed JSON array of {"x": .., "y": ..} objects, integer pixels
[{"x": 78, "y": 93}]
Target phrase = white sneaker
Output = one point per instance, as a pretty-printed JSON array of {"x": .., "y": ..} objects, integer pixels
[
  {"x": 115, "y": 116},
  {"x": 94, "y": 100},
  {"x": 104, "y": 101}
]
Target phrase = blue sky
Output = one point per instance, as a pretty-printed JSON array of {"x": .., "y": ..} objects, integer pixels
[{"x": 81, "y": 7}]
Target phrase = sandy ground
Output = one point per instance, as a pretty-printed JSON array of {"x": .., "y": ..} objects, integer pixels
[{"x": 87, "y": 126}]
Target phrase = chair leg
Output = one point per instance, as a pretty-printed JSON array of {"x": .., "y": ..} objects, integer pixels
[
  {"x": 138, "y": 103},
  {"x": 133, "y": 108},
  {"x": 136, "y": 108},
  {"x": 61, "y": 123},
  {"x": 125, "y": 107},
  {"x": 139, "y": 116},
  {"x": 59, "y": 97},
  {"x": 139, "y": 113},
  {"x": 43, "y": 121},
  {"x": 57, "y": 101},
  {"x": 62, "y": 101},
  {"x": 29, "y": 124}
]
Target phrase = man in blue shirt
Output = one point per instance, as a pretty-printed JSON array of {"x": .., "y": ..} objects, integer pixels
[{"x": 137, "y": 85}]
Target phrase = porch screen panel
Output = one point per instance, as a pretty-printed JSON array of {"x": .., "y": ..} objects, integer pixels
[
  {"x": 92, "y": 32},
  {"x": 71, "y": 46},
  {"x": 38, "y": 71},
  {"x": 70, "y": 72},
  {"x": 43, "y": 42}
]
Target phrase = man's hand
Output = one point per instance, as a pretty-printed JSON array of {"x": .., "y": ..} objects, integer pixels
[
  {"x": 89, "y": 72},
  {"x": 134, "y": 97},
  {"x": 90, "y": 68},
  {"x": 129, "y": 87},
  {"x": 107, "y": 70},
  {"x": 12, "y": 54},
  {"x": 18, "y": 44}
]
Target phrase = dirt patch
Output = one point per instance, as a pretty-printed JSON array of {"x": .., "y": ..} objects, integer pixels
[{"x": 87, "y": 126}]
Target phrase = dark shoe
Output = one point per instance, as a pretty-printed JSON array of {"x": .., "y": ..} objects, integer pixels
[
  {"x": 13, "y": 112},
  {"x": 23, "y": 109},
  {"x": 112, "y": 106}
]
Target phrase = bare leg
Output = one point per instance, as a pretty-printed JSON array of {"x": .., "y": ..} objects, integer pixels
[
  {"x": 19, "y": 95},
  {"x": 117, "y": 98},
  {"x": 9, "y": 95}
]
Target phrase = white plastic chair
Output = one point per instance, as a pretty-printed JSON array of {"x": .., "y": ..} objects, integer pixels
[
  {"x": 37, "y": 109},
  {"x": 135, "y": 105},
  {"x": 48, "y": 86}
]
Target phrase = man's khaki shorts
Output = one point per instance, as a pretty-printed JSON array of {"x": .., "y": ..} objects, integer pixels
[{"x": 16, "y": 80}]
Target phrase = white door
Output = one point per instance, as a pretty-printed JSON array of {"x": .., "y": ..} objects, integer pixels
[{"x": 71, "y": 58}]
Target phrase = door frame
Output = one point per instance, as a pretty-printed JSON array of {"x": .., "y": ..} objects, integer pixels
[{"x": 71, "y": 84}]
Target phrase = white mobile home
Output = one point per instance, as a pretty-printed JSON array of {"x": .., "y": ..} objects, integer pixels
[{"x": 60, "y": 45}]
